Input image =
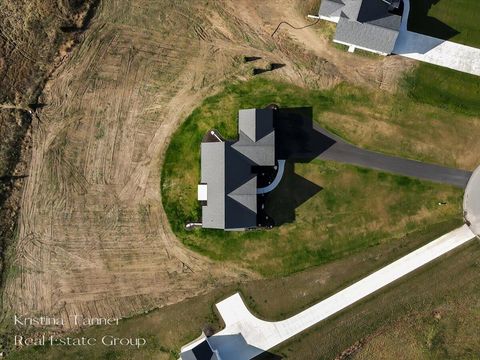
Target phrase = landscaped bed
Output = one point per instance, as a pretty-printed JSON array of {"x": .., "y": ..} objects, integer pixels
[{"x": 326, "y": 212}]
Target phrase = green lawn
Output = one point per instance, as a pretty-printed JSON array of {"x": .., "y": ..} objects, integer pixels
[
  {"x": 455, "y": 20},
  {"x": 379, "y": 207},
  {"x": 444, "y": 88},
  {"x": 430, "y": 119}
]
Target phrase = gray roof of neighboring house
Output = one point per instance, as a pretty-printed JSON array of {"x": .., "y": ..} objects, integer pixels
[
  {"x": 377, "y": 12},
  {"x": 203, "y": 351},
  {"x": 334, "y": 8},
  {"x": 226, "y": 168},
  {"x": 329, "y": 7},
  {"x": 352, "y": 8},
  {"x": 365, "y": 23},
  {"x": 366, "y": 35}
]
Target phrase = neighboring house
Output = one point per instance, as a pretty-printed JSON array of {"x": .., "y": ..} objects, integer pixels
[
  {"x": 371, "y": 25},
  {"x": 199, "y": 349},
  {"x": 228, "y": 188}
]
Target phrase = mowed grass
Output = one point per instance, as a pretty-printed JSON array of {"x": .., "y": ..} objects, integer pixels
[
  {"x": 454, "y": 20},
  {"x": 356, "y": 208},
  {"x": 407, "y": 310},
  {"x": 445, "y": 88},
  {"x": 432, "y": 313}
]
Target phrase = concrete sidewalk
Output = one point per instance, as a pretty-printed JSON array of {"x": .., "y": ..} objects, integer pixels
[
  {"x": 471, "y": 203},
  {"x": 245, "y": 336},
  {"x": 438, "y": 52},
  {"x": 435, "y": 51}
]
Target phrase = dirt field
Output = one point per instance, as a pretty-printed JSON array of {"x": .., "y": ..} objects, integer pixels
[
  {"x": 442, "y": 314},
  {"x": 35, "y": 35},
  {"x": 93, "y": 238}
]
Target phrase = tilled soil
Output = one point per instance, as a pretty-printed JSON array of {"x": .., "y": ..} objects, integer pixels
[{"x": 93, "y": 238}]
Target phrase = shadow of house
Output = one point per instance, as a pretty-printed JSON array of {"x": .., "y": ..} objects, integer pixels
[
  {"x": 297, "y": 142},
  {"x": 235, "y": 347},
  {"x": 293, "y": 191},
  {"x": 268, "y": 356},
  {"x": 224, "y": 346},
  {"x": 296, "y": 139},
  {"x": 419, "y": 21},
  {"x": 412, "y": 42}
]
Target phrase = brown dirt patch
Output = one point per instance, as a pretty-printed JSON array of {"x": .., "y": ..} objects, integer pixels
[{"x": 93, "y": 237}]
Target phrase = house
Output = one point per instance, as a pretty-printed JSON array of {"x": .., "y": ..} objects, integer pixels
[
  {"x": 371, "y": 25},
  {"x": 228, "y": 185},
  {"x": 199, "y": 349}
]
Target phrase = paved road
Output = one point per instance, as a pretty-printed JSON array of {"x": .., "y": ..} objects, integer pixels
[
  {"x": 346, "y": 153},
  {"x": 245, "y": 336},
  {"x": 436, "y": 51}
]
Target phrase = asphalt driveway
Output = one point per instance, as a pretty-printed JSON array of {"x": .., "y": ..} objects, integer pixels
[{"x": 344, "y": 152}]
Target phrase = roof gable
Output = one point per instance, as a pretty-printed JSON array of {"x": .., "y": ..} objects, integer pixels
[
  {"x": 246, "y": 194},
  {"x": 328, "y": 7},
  {"x": 255, "y": 123},
  {"x": 261, "y": 152}
]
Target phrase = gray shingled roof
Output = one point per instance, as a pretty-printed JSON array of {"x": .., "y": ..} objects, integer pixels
[
  {"x": 352, "y": 8},
  {"x": 256, "y": 139},
  {"x": 245, "y": 194},
  {"x": 241, "y": 191},
  {"x": 231, "y": 188},
  {"x": 213, "y": 174},
  {"x": 377, "y": 12},
  {"x": 203, "y": 351},
  {"x": 334, "y": 8},
  {"x": 226, "y": 168},
  {"x": 366, "y": 35},
  {"x": 329, "y": 7},
  {"x": 261, "y": 152},
  {"x": 255, "y": 123}
]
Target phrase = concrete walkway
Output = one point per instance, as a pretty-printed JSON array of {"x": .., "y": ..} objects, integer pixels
[
  {"x": 245, "y": 336},
  {"x": 471, "y": 203},
  {"x": 435, "y": 51},
  {"x": 344, "y": 152},
  {"x": 276, "y": 181}
]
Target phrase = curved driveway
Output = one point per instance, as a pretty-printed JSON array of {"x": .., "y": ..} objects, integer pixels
[{"x": 344, "y": 152}]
